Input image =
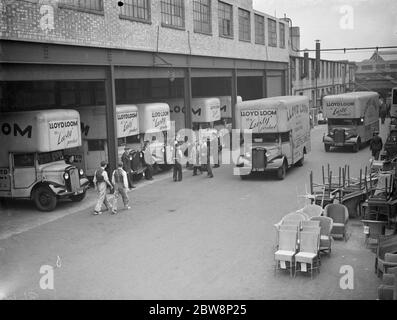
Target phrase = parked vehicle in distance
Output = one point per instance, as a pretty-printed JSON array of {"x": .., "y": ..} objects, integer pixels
[
  {"x": 280, "y": 134},
  {"x": 32, "y": 164},
  {"x": 393, "y": 102},
  {"x": 352, "y": 119},
  {"x": 321, "y": 119}
]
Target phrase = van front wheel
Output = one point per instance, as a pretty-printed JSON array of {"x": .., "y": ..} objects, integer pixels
[
  {"x": 44, "y": 199},
  {"x": 282, "y": 171}
]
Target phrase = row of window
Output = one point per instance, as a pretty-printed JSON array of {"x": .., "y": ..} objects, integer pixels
[
  {"x": 327, "y": 69},
  {"x": 173, "y": 15},
  {"x": 378, "y": 66}
]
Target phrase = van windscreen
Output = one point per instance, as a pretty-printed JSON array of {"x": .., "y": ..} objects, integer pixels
[
  {"x": 265, "y": 137},
  {"x": 344, "y": 122},
  {"x": 47, "y": 157}
]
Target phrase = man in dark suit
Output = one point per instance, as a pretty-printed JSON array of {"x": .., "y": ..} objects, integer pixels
[{"x": 126, "y": 160}]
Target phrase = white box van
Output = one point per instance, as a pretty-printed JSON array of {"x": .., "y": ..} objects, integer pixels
[
  {"x": 226, "y": 113},
  {"x": 32, "y": 164},
  {"x": 352, "y": 119},
  {"x": 94, "y": 147},
  {"x": 280, "y": 134},
  {"x": 155, "y": 124}
]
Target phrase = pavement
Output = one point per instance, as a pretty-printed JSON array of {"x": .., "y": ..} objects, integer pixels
[{"x": 196, "y": 239}]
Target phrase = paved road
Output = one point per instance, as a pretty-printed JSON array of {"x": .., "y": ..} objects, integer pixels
[{"x": 196, "y": 239}]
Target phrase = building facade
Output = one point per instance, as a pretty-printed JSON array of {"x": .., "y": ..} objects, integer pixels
[
  {"x": 334, "y": 77},
  {"x": 72, "y": 53},
  {"x": 378, "y": 73}
]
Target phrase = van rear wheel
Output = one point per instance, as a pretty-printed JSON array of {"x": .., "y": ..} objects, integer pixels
[{"x": 44, "y": 199}]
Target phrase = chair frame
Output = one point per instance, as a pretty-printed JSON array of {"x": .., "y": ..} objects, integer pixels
[
  {"x": 277, "y": 264},
  {"x": 346, "y": 219},
  {"x": 316, "y": 258}
]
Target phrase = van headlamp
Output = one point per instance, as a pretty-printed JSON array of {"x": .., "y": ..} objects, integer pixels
[
  {"x": 66, "y": 176},
  {"x": 362, "y": 120},
  {"x": 247, "y": 155},
  {"x": 81, "y": 172},
  {"x": 162, "y": 149}
]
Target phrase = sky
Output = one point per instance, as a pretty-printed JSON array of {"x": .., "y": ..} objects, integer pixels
[{"x": 339, "y": 24}]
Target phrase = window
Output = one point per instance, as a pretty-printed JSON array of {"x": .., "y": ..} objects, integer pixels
[
  {"x": 95, "y": 5},
  {"x": 380, "y": 66},
  {"x": 282, "y": 35},
  {"x": 136, "y": 9},
  {"x": 293, "y": 69},
  {"x": 244, "y": 24},
  {"x": 272, "y": 26},
  {"x": 393, "y": 65},
  {"x": 284, "y": 136},
  {"x": 202, "y": 16},
  {"x": 259, "y": 29},
  {"x": 225, "y": 18},
  {"x": 172, "y": 13},
  {"x": 47, "y": 157},
  {"x": 24, "y": 160}
]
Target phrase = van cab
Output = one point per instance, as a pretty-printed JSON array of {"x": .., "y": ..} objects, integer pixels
[
  {"x": 32, "y": 163},
  {"x": 280, "y": 128}
]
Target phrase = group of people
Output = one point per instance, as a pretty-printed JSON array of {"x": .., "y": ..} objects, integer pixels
[{"x": 122, "y": 178}]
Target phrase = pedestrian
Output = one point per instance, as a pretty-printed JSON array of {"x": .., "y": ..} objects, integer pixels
[
  {"x": 376, "y": 145},
  {"x": 120, "y": 183},
  {"x": 149, "y": 161},
  {"x": 101, "y": 182},
  {"x": 126, "y": 159},
  {"x": 209, "y": 168},
  {"x": 196, "y": 150},
  {"x": 178, "y": 162},
  {"x": 383, "y": 112}
]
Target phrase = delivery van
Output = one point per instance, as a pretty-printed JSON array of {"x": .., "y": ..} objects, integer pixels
[
  {"x": 94, "y": 147},
  {"x": 280, "y": 134},
  {"x": 352, "y": 119},
  {"x": 393, "y": 103},
  {"x": 32, "y": 164},
  {"x": 155, "y": 127}
]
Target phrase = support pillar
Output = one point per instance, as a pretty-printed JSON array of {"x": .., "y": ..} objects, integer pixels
[
  {"x": 234, "y": 97},
  {"x": 111, "y": 120},
  {"x": 188, "y": 98}
]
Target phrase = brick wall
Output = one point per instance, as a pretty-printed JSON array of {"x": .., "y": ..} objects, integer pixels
[{"x": 22, "y": 21}]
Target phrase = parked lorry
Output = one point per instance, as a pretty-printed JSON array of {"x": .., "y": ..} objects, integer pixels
[
  {"x": 155, "y": 127},
  {"x": 352, "y": 119},
  {"x": 280, "y": 134},
  {"x": 32, "y": 164},
  {"x": 94, "y": 148}
]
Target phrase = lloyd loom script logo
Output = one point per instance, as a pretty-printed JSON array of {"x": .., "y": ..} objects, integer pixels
[
  {"x": 64, "y": 134},
  {"x": 161, "y": 120},
  {"x": 340, "y": 109},
  {"x": 127, "y": 124},
  {"x": 259, "y": 120},
  {"x": 297, "y": 110}
]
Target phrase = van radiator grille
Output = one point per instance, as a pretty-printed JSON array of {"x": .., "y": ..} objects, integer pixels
[
  {"x": 339, "y": 136},
  {"x": 74, "y": 179},
  {"x": 258, "y": 159}
]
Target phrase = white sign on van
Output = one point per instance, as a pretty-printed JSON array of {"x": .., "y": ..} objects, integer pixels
[
  {"x": 340, "y": 109},
  {"x": 215, "y": 113},
  {"x": 161, "y": 120},
  {"x": 64, "y": 134},
  {"x": 259, "y": 120},
  {"x": 127, "y": 124}
]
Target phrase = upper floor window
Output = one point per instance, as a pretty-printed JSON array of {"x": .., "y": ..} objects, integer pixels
[
  {"x": 225, "y": 18},
  {"x": 202, "y": 16},
  {"x": 136, "y": 9},
  {"x": 94, "y": 5},
  {"x": 244, "y": 23},
  {"x": 173, "y": 13},
  {"x": 259, "y": 29},
  {"x": 272, "y": 26},
  {"x": 282, "y": 35},
  {"x": 293, "y": 69}
]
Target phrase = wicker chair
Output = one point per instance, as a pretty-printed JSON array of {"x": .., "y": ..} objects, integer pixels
[
  {"x": 388, "y": 289},
  {"x": 287, "y": 246},
  {"x": 326, "y": 224},
  {"x": 308, "y": 252},
  {"x": 312, "y": 210},
  {"x": 339, "y": 215}
]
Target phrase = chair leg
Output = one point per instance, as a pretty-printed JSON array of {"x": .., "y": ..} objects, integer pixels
[
  {"x": 290, "y": 269},
  {"x": 295, "y": 270},
  {"x": 311, "y": 271}
]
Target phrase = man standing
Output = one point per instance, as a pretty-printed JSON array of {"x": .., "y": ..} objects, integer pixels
[
  {"x": 209, "y": 168},
  {"x": 126, "y": 159},
  {"x": 196, "y": 155},
  {"x": 120, "y": 182},
  {"x": 376, "y": 145},
  {"x": 178, "y": 162},
  {"x": 101, "y": 181},
  {"x": 149, "y": 161}
]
